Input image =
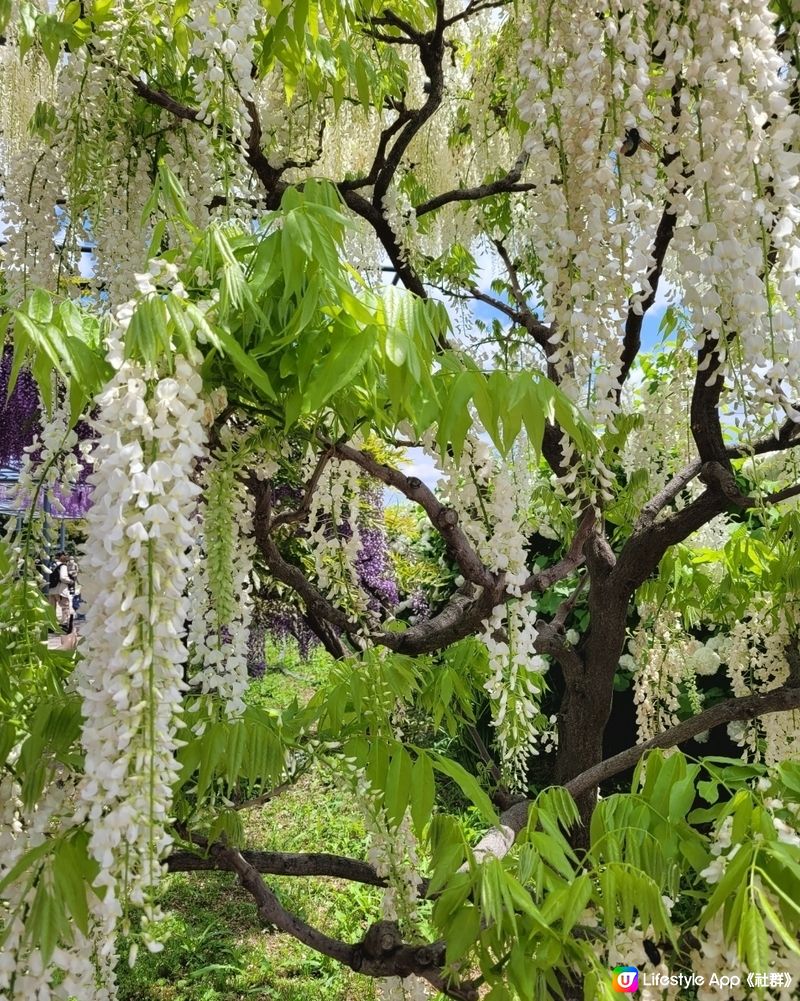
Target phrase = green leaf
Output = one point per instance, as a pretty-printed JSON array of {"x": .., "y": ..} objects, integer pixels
[
  {"x": 578, "y": 894},
  {"x": 753, "y": 940},
  {"x": 709, "y": 791},
  {"x": 682, "y": 796},
  {"x": 462, "y": 933},
  {"x": 553, "y": 853},
  {"x": 71, "y": 866},
  {"x": 245, "y": 364},
  {"x": 46, "y": 352},
  {"x": 455, "y": 419},
  {"x": 469, "y": 786},
  {"x": 8, "y": 737},
  {"x": 790, "y": 775},
  {"x": 737, "y": 866},
  {"x": 693, "y": 849},
  {"x": 23, "y": 864},
  {"x": 40, "y": 307},
  {"x": 398, "y": 785},
  {"x": 423, "y": 792},
  {"x": 6, "y": 8},
  {"x": 43, "y": 921},
  {"x": 779, "y": 927},
  {"x": 339, "y": 367},
  {"x": 146, "y": 337},
  {"x": 495, "y": 904}
]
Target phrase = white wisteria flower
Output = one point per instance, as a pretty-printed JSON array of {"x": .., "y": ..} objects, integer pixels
[
  {"x": 140, "y": 536},
  {"x": 221, "y": 605}
]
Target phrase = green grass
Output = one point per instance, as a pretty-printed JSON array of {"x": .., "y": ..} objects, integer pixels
[{"x": 217, "y": 949}]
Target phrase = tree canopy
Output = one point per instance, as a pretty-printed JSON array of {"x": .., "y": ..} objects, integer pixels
[{"x": 255, "y": 252}]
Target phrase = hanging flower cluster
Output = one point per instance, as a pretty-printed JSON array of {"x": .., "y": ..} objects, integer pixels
[
  {"x": 335, "y": 534},
  {"x": 393, "y": 852},
  {"x": 141, "y": 535},
  {"x": 49, "y": 462},
  {"x": 660, "y": 668},
  {"x": 221, "y": 601},
  {"x": 19, "y": 413},
  {"x": 737, "y": 232},
  {"x": 37, "y": 248},
  {"x": 23, "y": 83},
  {"x": 515, "y": 687},
  {"x": 82, "y": 969},
  {"x": 587, "y": 83},
  {"x": 755, "y": 655},
  {"x": 284, "y": 623},
  {"x": 46, "y": 475},
  {"x": 666, "y": 661},
  {"x": 117, "y": 245},
  {"x": 585, "y": 479},
  {"x": 223, "y": 45},
  {"x": 373, "y": 560},
  {"x": 492, "y": 497},
  {"x": 712, "y": 135},
  {"x": 716, "y": 952}
]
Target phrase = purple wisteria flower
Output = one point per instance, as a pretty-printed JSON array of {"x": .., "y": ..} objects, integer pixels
[{"x": 19, "y": 413}]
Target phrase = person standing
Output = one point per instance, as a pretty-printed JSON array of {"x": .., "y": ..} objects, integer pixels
[
  {"x": 74, "y": 585},
  {"x": 59, "y": 594}
]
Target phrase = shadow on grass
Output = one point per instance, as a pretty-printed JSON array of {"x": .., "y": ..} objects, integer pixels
[{"x": 217, "y": 951}]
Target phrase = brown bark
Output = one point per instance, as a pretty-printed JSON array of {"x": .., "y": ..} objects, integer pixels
[{"x": 589, "y": 687}]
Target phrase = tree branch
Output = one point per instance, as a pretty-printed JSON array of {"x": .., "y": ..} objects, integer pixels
[
  {"x": 513, "y": 274},
  {"x": 463, "y": 615},
  {"x": 777, "y": 496},
  {"x": 390, "y": 19},
  {"x": 540, "y": 332},
  {"x": 490, "y": 300},
  {"x": 632, "y": 338},
  {"x": 569, "y": 563},
  {"x": 301, "y": 513},
  {"x": 373, "y": 214},
  {"x": 509, "y": 182},
  {"x": 499, "y": 840},
  {"x": 474, "y": 8},
  {"x": 444, "y": 519},
  {"x": 749, "y": 707},
  {"x": 281, "y": 864},
  {"x": 381, "y": 953},
  {"x": 294, "y": 578},
  {"x": 269, "y": 176},
  {"x": 668, "y": 493},
  {"x": 162, "y": 99},
  {"x": 643, "y": 550},
  {"x": 267, "y": 797},
  {"x": 381, "y": 36},
  {"x": 286, "y": 572},
  {"x": 431, "y": 53},
  {"x": 704, "y": 420},
  {"x": 788, "y": 437}
]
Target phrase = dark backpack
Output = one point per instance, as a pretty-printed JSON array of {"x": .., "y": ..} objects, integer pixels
[{"x": 55, "y": 575}]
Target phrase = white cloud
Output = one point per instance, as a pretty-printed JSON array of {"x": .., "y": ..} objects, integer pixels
[{"x": 419, "y": 464}]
